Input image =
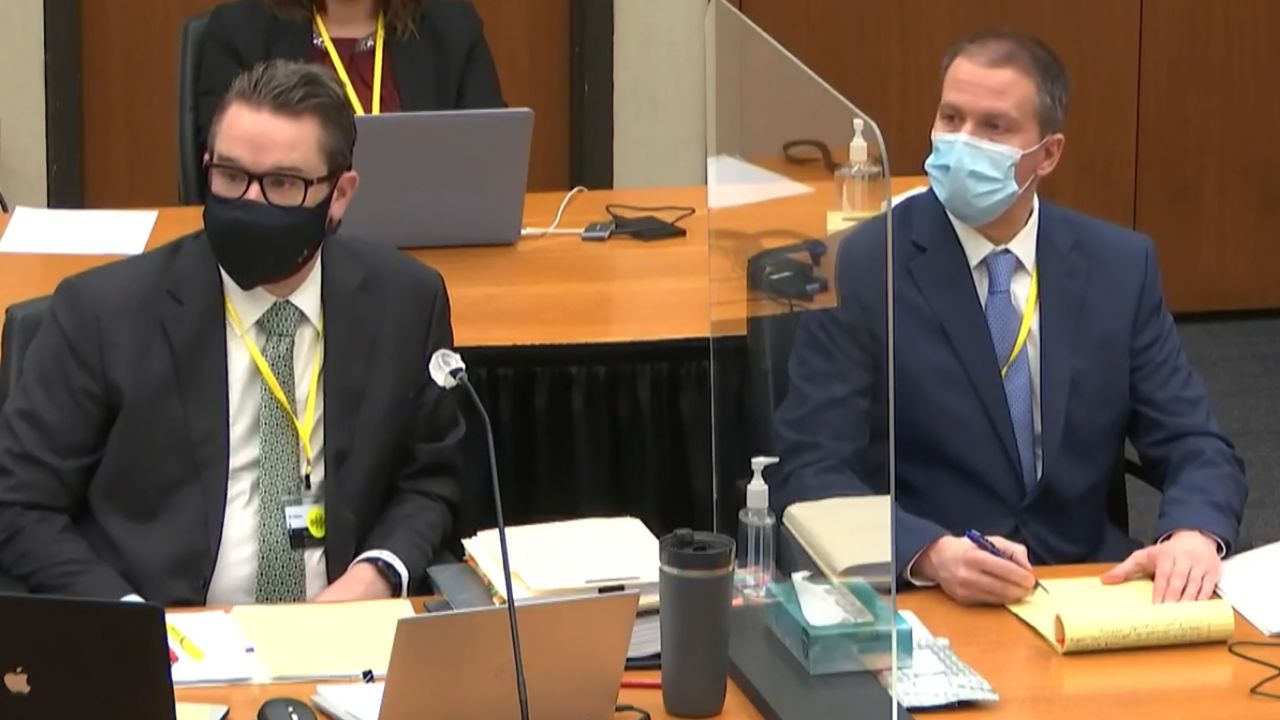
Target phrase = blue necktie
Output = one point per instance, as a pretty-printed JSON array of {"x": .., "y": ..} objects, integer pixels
[{"x": 1004, "y": 319}]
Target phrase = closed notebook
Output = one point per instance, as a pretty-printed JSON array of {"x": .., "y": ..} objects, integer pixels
[
  {"x": 847, "y": 537},
  {"x": 1083, "y": 615},
  {"x": 322, "y": 640},
  {"x": 1251, "y": 583}
]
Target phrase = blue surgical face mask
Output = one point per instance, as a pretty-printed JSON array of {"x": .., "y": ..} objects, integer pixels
[{"x": 975, "y": 178}]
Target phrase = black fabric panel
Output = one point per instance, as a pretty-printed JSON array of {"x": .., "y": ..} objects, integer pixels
[{"x": 599, "y": 430}]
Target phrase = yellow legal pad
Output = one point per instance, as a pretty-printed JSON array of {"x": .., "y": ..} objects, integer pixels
[{"x": 1083, "y": 615}]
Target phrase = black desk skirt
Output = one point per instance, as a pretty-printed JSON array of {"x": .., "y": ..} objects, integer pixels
[{"x": 607, "y": 430}]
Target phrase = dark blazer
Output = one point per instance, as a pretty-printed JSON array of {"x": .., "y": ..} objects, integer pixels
[
  {"x": 113, "y": 445},
  {"x": 1111, "y": 368},
  {"x": 446, "y": 66}
]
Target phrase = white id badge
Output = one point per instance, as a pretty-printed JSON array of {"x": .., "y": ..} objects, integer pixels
[{"x": 304, "y": 521}]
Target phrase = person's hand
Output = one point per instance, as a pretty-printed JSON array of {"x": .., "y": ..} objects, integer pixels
[
  {"x": 361, "y": 581},
  {"x": 973, "y": 576},
  {"x": 1186, "y": 566}
]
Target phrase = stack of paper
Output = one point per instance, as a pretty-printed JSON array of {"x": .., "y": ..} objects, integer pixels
[
  {"x": 354, "y": 701},
  {"x": 571, "y": 557},
  {"x": 197, "y": 711},
  {"x": 1083, "y": 615},
  {"x": 211, "y": 650},
  {"x": 322, "y": 640},
  {"x": 1251, "y": 583}
]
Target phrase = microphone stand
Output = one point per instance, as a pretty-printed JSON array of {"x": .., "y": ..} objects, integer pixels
[{"x": 502, "y": 544}]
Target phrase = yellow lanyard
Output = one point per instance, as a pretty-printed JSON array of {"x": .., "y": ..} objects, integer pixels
[
  {"x": 308, "y": 422},
  {"x": 342, "y": 70},
  {"x": 1028, "y": 311}
]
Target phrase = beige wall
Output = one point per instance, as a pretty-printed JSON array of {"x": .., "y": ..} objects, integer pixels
[
  {"x": 22, "y": 129},
  {"x": 659, "y": 94}
]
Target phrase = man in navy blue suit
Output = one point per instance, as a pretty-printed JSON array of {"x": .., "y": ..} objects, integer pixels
[{"x": 1030, "y": 342}]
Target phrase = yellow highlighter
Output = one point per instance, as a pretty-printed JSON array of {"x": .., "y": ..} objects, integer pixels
[{"x": 187, "y": 644}]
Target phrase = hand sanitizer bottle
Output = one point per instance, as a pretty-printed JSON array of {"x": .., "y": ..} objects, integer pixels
[
  {"x": 756, "y": 524},
  {"x": 860, "y": 183}
]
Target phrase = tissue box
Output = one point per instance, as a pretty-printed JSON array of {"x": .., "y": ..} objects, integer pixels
[{"x": 846, "y": 647}]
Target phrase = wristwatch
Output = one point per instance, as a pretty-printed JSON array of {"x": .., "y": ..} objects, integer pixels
[{"x": 388, "y": 573}]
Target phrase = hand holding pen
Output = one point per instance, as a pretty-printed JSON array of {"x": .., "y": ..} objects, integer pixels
[{"x": 984, "y": 543}]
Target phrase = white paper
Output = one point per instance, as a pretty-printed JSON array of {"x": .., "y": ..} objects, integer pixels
[
  {"x": 1251, "y": 583},
  {"x": 228, "y": 654},
  {"x": 646, "y": 636},
  {"x": 77, "y": 232},
  {"x": 733, "y": 182},
  {"x": 354, "y": 701}
]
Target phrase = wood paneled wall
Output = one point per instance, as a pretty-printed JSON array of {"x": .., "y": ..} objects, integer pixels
[
  {"x": 1170, "y": 130},
  {"x": 1208, "y": 150},
  {"x": 885, "y": 57},
  {"x": 129, "y": 80}
]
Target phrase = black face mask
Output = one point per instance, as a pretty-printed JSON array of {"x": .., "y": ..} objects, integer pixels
[{"x": 258, "y": 244}]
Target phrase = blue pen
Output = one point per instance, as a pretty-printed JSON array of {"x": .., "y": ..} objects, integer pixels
[{"x": 984, "y": 543}]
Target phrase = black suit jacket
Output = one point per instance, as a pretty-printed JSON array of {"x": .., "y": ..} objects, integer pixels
[
  {"x": 445, "y": 66},
  {"x": 113, "y": 445}
]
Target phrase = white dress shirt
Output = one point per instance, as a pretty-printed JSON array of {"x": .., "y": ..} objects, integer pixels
[{"x": 235, "y": 574}]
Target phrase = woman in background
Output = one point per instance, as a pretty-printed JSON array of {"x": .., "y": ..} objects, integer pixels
[{"x": 433, "y": 52}]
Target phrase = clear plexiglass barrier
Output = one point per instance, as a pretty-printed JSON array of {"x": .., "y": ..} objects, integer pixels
[{"x": 802, "y": 357}]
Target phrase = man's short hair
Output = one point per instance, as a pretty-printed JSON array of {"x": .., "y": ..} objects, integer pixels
[
  {"x": 995, "y": 48},
  {"x": 296, "y": 89}
]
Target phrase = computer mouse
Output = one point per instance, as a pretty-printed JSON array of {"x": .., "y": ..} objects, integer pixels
[{"x": 285, "y": 709}]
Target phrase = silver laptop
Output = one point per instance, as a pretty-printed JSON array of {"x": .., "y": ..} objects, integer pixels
[
  {"x": 441, "y": 179},
  {"x": 63, "y": 658},
  {"x": 458, "y": 665}
]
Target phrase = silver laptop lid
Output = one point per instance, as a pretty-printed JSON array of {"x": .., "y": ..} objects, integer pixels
[
  {"x": 441, "y": 179},
  {"x": 458, "y": 665}
]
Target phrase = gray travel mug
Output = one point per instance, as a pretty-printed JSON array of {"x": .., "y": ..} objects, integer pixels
[{"x": 695, "y": 589}]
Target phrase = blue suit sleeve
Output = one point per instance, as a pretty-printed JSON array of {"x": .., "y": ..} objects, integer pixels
[
  {"x": 1174, "y": 431},
  {"x": 831, "y": 431}
]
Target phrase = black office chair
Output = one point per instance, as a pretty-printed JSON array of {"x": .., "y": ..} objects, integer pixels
[
  {"x": 190, "y": 154},
  {"x": 21, "y": 323}
]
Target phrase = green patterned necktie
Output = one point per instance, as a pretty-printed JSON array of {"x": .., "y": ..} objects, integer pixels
[{"x": 281, "y": 576}]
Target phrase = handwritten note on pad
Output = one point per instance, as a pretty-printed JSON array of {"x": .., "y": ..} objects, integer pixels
[{"x": 1083, "y": 615}]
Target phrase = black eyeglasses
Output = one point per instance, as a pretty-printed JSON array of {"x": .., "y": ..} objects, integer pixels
[{"x": 279, "y": 189}]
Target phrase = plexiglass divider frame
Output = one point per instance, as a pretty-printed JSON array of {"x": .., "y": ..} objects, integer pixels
[{"x": 800, "y": 311}]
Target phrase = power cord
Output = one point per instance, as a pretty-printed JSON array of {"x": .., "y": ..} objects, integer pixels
[
  {"x": 1257, "y": 689},
  {"x": 641, "y": 713},
  {"x": 4, "y": 206},
  {"x": 554, "y": 229}
]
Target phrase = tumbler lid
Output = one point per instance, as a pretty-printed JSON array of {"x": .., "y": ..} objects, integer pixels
[{"x": 686, "y": 549}]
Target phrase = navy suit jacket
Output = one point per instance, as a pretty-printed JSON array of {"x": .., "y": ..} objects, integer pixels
[{"x": 1111, "y": 368}]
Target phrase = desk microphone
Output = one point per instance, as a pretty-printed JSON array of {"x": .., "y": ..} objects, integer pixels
[{"x": 448, "y": 371}]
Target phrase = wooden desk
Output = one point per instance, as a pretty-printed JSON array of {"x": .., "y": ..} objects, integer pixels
[
  {"x": 1200, "y": 682},
  {"x": 561, "y": 290}
]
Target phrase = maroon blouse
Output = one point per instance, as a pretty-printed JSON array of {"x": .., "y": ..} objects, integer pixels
[{"x": 358, "y": 62}]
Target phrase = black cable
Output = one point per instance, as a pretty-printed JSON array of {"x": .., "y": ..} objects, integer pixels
[
  {"x": 685, "y": 211},
  {"x": 4, "y": 206},
  {"x": 641, "y": 713},
  {"x": 502, "y": 544},
  {"x": 1257, "y": 689},
  {"x": 824, "y": 154}
]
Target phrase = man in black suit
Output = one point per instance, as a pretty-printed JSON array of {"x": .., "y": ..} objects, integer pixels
[{"x": 241, "y": 415}]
